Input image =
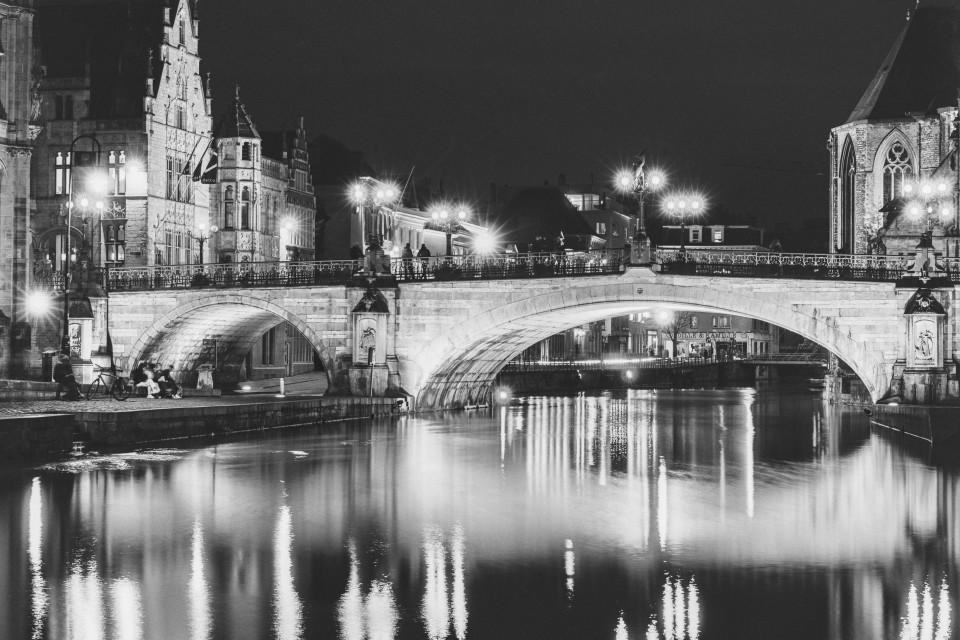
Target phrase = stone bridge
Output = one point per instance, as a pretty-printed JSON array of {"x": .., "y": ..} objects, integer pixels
[{"x": 443, "y": 341}]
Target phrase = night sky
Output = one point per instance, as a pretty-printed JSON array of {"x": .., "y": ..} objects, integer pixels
[{"x": 519, "y": 91}]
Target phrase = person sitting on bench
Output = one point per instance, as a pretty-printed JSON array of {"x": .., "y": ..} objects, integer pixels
[
  {"x": 168, "y": 386},
  {"x": 63, "y": 376},
  {"x": 153, "y": 389}
]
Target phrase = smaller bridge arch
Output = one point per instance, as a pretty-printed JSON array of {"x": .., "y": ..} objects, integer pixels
[{"x": 235, "y": 320}]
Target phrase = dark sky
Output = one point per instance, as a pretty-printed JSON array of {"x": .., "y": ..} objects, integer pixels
[{"x": 519, "y": 91}]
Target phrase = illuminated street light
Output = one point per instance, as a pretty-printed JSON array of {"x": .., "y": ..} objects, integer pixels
[
  {"x": 638, "y": 182},
  {"x": 448, "y": 218},
  {"x": 683, "y": 206},
  {"x": 485, "y": 242},
  {"x": 202, "y": 236},
  {"x": 38, "y": 303},
  {"x": 370, "y": 193},
  {"x": 930, "y": 203}
]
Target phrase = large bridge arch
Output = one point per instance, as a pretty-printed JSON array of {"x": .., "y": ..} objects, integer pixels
[
  {"x": 456, "y": 366},
  {"x": 235, "y": 320}
]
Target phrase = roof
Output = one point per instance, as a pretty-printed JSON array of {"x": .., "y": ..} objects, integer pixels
[
  {"x": 119, "y": 40},
  {"x": 922, "y": 71},
  {"x": 543, "y": 212},
  {"x": 236, "y": 122}
]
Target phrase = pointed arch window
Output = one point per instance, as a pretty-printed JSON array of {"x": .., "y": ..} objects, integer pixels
[
  {"x": 848, "y": 177},
  {"x": 896, "y": 170},
  {"x": 245, "y": 151}
]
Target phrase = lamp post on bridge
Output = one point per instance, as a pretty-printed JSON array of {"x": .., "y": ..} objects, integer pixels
[
  {"x": 202, "y": 236},
  {"x": 636, "y": 182},
  {"x": 681, "y": 207},
  {"x": 930, "y": 202},
  {"x": 448, "y": 219},
  {"x": 369, "y": 192}
]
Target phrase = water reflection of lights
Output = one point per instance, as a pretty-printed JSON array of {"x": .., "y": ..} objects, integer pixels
[
  {"x": 38, "y": 586},
  {"x": 926, "y": 619},
  {"x": 662, "y": 504},
  {"x": 749, "y": 463},
  {"x": 459, "y": 588},
  {"x": 200, "y": 622},
  {"x": 381, "y": 611},
  {"x": 350, "y": 609},
  {"x": 569, "y": 566},
  {"x": 127, "y": 610},
  {"x": 680, "y": 611},
  {"x": 621, "y": 629},
  {"x": 288, "y": 610},
  {"x": 435, "y": 611},
  {"x": 84, "y": 600}
]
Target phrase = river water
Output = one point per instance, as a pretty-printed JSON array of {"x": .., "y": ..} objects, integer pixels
[{"x": 672, "y": 515}]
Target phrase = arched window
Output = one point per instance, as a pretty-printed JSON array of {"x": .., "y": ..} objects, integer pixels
[
  {"x": 848, "y": 176},
  {"x": 245, "y": 151},
  {"x": 228, "y": 208},
  {"x": 245, "y": 208},
  {"x": 896, "y": 169}
]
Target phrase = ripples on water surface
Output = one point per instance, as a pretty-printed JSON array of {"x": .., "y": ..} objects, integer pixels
[{"x": 669, "y": 515}]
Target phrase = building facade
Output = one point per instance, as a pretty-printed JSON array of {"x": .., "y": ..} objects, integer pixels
[
  {"x": 124, "y": 111},
  {"x": 893, "y": 162},
  {"x": 20, "y": 121},
  {"x": 263, "y": 206}
]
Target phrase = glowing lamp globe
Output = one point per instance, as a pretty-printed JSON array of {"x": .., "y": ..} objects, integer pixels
[{"x": 38, "y": 303}]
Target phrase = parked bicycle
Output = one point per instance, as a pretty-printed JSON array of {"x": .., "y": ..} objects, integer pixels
[{"x": 119, "y": 387}]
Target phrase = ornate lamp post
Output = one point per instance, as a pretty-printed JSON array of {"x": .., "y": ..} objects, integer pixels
[
  {"x": 371, "y": 193},
  {"x": 448, "y": 219},
  {"x": 638, "y": 182},
  {"x": 681, "y": 207},
  {"x": 930, "y": 203},
  {"x": 203, "y": 235}
]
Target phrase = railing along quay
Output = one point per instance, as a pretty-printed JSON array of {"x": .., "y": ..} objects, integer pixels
[
  {"x": 340, "y": 272},
  {"x": 806, "y": 266}
]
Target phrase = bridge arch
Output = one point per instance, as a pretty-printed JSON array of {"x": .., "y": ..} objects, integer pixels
[
  {"x": 235, "y": 320},
  {"x": 458, "y": 366}
]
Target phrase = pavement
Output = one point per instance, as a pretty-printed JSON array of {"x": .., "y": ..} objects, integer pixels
[{"x": 109, "y": 405}]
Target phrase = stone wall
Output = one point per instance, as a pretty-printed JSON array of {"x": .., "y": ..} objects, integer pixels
[{"x": 26, "y": 436}]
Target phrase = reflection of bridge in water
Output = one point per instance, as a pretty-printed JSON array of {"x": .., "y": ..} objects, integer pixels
[{"x": 455, "y": 322}]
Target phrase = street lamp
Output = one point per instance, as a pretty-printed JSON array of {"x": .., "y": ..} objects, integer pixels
[
  {"x": 448, "y": 219},
  {"x": 369, "y": 192},
  {"x": 83, "y": 202},
  {"x": 683, "y": 206},
  {"x": 202, "y": 236},
  {"x": 638, "y": 182},
  {"x": 929, "y": 202}
]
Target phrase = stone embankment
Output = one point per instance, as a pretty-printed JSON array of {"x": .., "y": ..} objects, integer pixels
[{"x": 48, "y": 427}]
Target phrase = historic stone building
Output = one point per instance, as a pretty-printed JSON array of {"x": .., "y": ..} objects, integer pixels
[
  {"x": 19, "y": 115},
  {"x": 263, "y": 204},
  {"x": 125, "y": 114},
  {"x": 893, "y": 163}
]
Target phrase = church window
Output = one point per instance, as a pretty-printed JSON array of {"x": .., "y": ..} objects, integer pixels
[
  {"x": 848, "y": 176},
  {"x": 62, "y": 173},
  {"x": 229, "y": 205},
  {"x": 245, "y": 208},
  {"x": 896, "y": 169}
]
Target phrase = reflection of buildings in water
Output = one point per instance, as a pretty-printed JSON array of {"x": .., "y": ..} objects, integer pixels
[
  {"x": 459, "y": 596},
  {"x": 679, "y": 611},
  {"x": 350, "y": 608},
  {"x": 288, "y": 610},
  {"x": 89, "y": 616},
  {"x": 200, "y": 619},
  {"x": 38, "y": 586}
]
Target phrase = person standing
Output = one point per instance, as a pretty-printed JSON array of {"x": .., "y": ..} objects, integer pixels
[
  {"x": 424, "y": 255},
  {"x": 407, "y": 256}
]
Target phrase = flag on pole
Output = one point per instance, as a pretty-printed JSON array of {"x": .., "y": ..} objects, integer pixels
[{"x": 206, "y": 170}]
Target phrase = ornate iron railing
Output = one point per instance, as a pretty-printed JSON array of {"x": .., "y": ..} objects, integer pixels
[
  {"x": 52, "y": 281},
  {"x": 234, "y": 275},
  {"x": 506, "y": 266},
  {"x": 818, "y": 266}
]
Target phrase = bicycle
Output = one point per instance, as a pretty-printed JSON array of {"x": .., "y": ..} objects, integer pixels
[{"x": 119, "y": 388}]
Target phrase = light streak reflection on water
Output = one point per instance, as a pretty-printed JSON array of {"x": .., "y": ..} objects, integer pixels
[{"x": 725, "y": 489}]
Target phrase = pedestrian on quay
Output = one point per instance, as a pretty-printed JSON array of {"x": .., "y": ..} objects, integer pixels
[
  {"x": 407, "y": 256},
  {"x": 63, "y": 376},
  {"x": 424, "y": 255},
  {"x": 168, "y": 386}
]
